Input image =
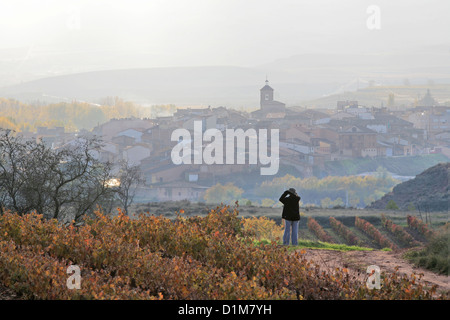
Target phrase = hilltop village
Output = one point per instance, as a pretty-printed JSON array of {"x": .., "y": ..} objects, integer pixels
[{"x": 308, "y": 138}]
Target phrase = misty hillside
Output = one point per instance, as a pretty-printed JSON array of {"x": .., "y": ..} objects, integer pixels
[
  {"x": 199, "y": 85},
  {"x": 313, "y": 80},
  {"x": 404, "y": 95},
  {"x": 428, "y": 191},
  {"x": 220, "y": 86}
]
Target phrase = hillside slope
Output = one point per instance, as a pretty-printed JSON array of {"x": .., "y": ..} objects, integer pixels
[
  {"x": 313, "y": 80},
  {"x": 427, "y": 191}
]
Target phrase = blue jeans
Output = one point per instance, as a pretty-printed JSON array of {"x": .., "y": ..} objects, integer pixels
[{"x": 288, "y": 225}]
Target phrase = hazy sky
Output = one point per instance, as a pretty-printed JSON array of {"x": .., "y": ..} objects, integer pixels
[{"x": 219, "y": 32}]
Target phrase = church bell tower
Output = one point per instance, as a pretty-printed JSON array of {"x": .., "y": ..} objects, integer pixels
[{"x": 266, "y": 94}]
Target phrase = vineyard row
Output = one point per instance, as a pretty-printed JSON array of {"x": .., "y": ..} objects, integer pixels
[{"x": 396, "y": 232}]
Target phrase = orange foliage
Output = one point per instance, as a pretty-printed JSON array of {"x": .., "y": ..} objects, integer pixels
[
  {"x": 420, "y": 226},
  {"x": 373, "y": 232},
  {"x": 153, "y": 257},
  {"x": 315, "y": 227},
  {"x": 399, "y": 232}
]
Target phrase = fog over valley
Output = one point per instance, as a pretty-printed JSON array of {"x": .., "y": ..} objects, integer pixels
[{"x": 218, "y": 52}]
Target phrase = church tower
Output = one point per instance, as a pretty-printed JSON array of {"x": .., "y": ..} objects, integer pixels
[
  {"x": 266, "y": 94},
  {"x": 269, "y": 108}
]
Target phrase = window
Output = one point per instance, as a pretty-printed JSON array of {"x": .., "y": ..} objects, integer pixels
[{"x": 266, "y": 97}]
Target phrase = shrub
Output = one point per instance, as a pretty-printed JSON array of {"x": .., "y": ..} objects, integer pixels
[
  {"x": 343, "y": 231},
  {"x": 153, "y": 257},
  {"x": 263, "y": 228},
  {"x": 391, "y": 205},
  {"x": 420, "y": 226},
  {"x": 315, "y": 227},
  {"x": 373, "y": 232},
  {"x": 399, "y": 232},
  {"x": 435, "y": 256}
]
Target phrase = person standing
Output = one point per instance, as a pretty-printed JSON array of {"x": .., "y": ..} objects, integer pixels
[{"x": 291, "y": 216}]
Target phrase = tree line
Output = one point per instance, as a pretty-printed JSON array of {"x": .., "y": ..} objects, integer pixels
[
  {"x": 328, "y": 192},
  {"x": 331, "y": 191},
  {"x": 73, "y": 116}
]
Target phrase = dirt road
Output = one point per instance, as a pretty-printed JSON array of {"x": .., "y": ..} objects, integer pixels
[{"x": 358, "y": 261}]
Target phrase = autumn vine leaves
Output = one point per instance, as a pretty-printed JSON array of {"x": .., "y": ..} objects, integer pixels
[{"x": 153, "y": 257}]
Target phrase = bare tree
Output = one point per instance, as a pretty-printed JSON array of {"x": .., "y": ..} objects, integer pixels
[
  {"x": 67, "y": 182},
  {"x": 12, "y": 183},
  {"x": 130, "y": 178}
]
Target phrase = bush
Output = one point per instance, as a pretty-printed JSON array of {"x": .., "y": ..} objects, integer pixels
[
  {"x": 398, "y": 231},
  {"x": 223, "y": 193},
  {"x": 420, "y": 226},
  {"x": 373, "y": 232},
  {"x": 315, "y": 227},
  {"x": 391, "y": 205},
  {"x": 263, "y": 228},
  {"x": 343, "y": 231},
  {"x": 153, "y": 257},
  {"x": 435, "y": 256}
]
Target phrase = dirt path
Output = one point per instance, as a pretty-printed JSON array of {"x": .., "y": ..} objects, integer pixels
[
  {"x": 358, "y": 261},
  {"x": 7, "y": 294}
]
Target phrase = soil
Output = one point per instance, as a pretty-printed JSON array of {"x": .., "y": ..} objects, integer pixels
[
  {"x": 8, "y": 294},
  {"x": 357, "y": 262}
]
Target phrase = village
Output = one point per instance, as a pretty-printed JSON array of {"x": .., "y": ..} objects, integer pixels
[{"x": 308, "y": 138}]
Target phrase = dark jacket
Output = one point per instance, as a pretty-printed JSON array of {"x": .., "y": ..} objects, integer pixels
[{"x": 291, "y": 208}]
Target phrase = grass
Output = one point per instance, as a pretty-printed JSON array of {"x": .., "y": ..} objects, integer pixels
[
  {"x": 435, "y": 256},
  {"x": 329, "y": 246},
  {"x": 310, "y": 244}
]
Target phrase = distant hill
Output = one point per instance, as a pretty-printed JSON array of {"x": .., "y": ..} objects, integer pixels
[
  {"x": 428, "y": 191},
  {"x": 314, "y": 80},
  {"x": 377, "y": 95},
  {"x": 226, "y": 86},
  {"x": 178, "y": 85}
]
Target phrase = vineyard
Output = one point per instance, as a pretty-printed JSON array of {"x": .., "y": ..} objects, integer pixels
[
  {"x": 153, "y": 257},
  {"x": 382, "y": 234}
]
